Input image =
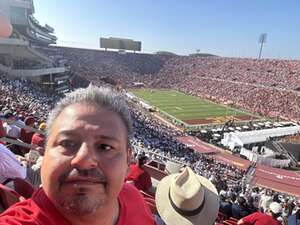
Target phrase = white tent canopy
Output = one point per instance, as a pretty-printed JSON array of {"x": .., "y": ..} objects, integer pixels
[{"x": 235, "y": 139}]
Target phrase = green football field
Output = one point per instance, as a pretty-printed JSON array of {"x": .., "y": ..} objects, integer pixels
[{"x": 190, "y": 109}]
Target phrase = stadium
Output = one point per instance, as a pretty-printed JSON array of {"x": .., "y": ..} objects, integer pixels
[{"x": 235, "y": 121}]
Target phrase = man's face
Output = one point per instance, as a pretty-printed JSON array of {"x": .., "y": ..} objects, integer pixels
[{"x": 86, "y": 159}]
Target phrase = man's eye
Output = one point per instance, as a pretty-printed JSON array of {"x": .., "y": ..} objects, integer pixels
[
  {"x": 69, "y": 144},
  {"x": 104, "y": 147}
]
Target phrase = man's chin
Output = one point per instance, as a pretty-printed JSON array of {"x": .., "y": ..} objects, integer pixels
[
  {"x": 80, "y": 197},
  {"x": 81, "y": 203}
]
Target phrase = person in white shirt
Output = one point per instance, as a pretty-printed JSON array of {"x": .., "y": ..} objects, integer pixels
[
  {"x": 10, "y": 167},
  {"x": 11, "y": 130}
]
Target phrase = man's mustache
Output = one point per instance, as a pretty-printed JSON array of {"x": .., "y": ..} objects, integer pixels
[{"x": 92, "y": 174}]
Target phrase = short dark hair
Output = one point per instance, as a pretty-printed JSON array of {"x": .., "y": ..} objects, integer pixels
[
  {"x": 100, "y": 97},
  {"x": 141, "y": 160}
]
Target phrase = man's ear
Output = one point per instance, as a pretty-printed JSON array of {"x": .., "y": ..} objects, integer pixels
[{"x": 129, "y": 154}]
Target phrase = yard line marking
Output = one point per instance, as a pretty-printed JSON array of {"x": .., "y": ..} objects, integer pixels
[{"x": 178, "y": 108}]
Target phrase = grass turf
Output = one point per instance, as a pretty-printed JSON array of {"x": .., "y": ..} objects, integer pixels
[{"x": 184, "y": 107}]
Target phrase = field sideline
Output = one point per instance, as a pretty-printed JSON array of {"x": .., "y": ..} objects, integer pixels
[{"x": 189, "y": 109}]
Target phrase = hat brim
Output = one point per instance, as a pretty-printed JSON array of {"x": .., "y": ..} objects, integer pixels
[{"x": 170, "y": 216}]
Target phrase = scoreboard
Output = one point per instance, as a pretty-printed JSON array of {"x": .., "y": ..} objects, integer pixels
[{"x": 120, "y": 43}]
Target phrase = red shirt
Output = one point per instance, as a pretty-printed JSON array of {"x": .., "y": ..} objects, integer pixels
[
  {"x": 140, "y": 177},
  {"x": 258, "y": 218},
  {"x": 39, "y": 210},
  {"x": 26, "y": 136},
  {"x": 38, "y": 139}
]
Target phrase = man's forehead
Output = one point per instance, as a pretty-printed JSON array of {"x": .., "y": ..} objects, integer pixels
[
  {"x": 88, "y": 118},
  {"x": 84, "y": 111},
  {"x": 101, "y": 134}
]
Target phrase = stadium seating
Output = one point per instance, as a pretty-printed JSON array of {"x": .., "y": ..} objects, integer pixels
[
  {"x": 23, "y": 187},
  {"x": 8, "y": 196}
]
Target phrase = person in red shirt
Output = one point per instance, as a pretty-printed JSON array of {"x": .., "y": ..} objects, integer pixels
[
  {"x": 86, "y": 160},
  {"x": 139, "y": 175},
  {"x": 258, "y": 218},
  {"x": 26, "y": 134},
  {"x": 38, "y": 139}
]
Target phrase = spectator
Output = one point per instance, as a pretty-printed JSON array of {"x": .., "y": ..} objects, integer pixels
[
  {"x": 26, "y": 134},
  {"x": 239, "y": 209},
  {"x": 11, "y": 130},
  {"x": 265, "y": 200},
  {"x": 294, "y": 219},
  {"x": 250, "y": 205},
  {"x": 187, "y": 199},
  {"x": 270, "y": 218},
  {"x": 139, "y": 175},
  {"x": 10, "y": 167},
  {"x": 84, "y": 166},
  {"x": 38, "y": 139},
  {"x": 225, "y": 205}
]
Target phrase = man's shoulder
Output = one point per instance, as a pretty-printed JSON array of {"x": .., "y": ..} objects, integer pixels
[
  {"x": 257, "y": 214},
  {"x": 130, "y": 190},
  {"x": 34, "y": 211},
  {"x": 252, "y": 217},
  {"x": 133, "y": 207},
  {"x": 19, "y": 213}
]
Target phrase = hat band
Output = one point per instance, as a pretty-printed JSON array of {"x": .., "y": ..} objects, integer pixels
[{"x": 186, "y": 212}]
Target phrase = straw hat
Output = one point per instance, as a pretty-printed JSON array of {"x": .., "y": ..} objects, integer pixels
[{"x": 186, "y": 199}]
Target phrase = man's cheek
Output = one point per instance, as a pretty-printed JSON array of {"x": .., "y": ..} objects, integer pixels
[{"x": 115, "y": 169}]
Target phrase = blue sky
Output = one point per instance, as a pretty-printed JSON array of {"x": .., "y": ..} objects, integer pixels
[{"x": 222, "y": 27}]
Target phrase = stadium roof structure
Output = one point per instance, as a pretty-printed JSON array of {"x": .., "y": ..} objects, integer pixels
[
  {"x": 202, "y": 54},
  {"x": 165, "y": 53},
  {"x": 22, "y": 52},
  {"x": 239, "y": 139}
]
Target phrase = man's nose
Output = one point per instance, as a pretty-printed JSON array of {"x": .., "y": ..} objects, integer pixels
[{"x": 85, "y": 157}]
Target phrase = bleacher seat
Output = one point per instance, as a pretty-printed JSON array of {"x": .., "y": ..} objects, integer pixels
[
  {"x": 23, "y": 187},
  {"x": 150, "y": 200},
  {"x": 221, "y": 217},
  {"x": 147, "y": 195},
  {"x": 8, "y": 197},
  {"x": 229, "y": 222}
]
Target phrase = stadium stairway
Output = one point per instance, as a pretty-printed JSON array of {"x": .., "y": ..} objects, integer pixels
[{"x": 279, "y": 148}]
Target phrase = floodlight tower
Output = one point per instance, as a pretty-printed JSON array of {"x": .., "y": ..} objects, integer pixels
[{"x": 262, "y": 40}]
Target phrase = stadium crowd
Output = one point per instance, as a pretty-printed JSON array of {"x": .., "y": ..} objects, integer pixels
[
  {"x": 266, "y": 73},
  {"x": 120, "y": 69},
  {"x": 28, "y": 104},
  {"x": 240, "y": 198},
  {"x": 268, "y": 87},
  {"x": 158, "y": 138}
]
